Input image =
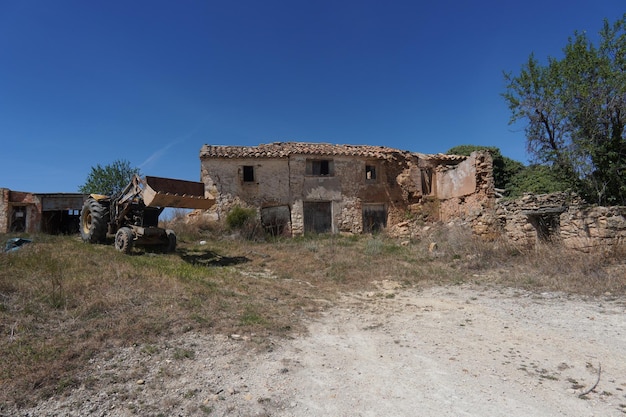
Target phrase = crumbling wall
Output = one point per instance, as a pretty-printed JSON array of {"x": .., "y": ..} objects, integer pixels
[
  {"x": 224, "y": 180},
  {"x": 346, "y": 190},
  {"x": 588, "y": 227},
  {"x": 350, "y": 216},
  {"x": 4, "y": 210},
  {"x": 342, "y": 190},
  {"x": 11, "y": 202},
  {"x": 561, "y": 218},
  {"x": 466, "y": 192}
]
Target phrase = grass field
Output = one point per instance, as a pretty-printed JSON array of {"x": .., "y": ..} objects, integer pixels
[{"x": 62, "y": 302}]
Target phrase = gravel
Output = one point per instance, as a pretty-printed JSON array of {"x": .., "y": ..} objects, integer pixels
[{"x": 441, "y": 351}]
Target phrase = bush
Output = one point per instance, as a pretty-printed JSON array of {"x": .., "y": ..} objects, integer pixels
[
  {"x": 244, "y": 221},
  {"x": 238, "y": 217}
]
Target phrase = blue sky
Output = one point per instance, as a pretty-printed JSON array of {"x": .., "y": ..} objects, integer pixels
[{"x": 89, "y": 82}]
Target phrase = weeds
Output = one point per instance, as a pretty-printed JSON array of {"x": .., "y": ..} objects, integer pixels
[{"x": 62, "y": 302}]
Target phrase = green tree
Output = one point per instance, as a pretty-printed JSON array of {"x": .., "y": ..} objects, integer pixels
[
  {"x": 109, "y": 179},
  {"x": 538, "y": 179},
  {"x": 575, "y": 112},
  {"x": 504, "y": 168}
]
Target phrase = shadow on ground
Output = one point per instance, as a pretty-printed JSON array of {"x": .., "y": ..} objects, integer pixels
[{"x": 210, "y": 258}]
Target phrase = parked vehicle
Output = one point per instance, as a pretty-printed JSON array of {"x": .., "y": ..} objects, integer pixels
[{"x": 133, "y": 215}]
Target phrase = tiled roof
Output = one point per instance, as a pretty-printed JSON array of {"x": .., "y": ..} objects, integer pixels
[
  {"x": 285, "y": 149},
  {"x": 441, "y": 157}
]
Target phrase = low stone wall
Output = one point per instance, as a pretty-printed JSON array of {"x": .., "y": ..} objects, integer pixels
[{"x": 561, "y": 217}]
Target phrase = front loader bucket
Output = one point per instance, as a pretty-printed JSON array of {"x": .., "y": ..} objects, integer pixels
[{"x": 167, "y": 192}]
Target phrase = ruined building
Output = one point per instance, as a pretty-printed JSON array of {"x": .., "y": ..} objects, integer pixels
[
  {"x": 561, "y": 218},
  {"x": 32, "y": 213},
  {"x": 305, "y": 187}
]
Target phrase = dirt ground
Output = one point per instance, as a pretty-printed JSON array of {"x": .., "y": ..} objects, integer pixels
[{"x": 442, "y": 351}]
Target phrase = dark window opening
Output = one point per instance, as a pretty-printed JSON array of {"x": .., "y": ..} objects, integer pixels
[
  {"x": 370, "y": 172},
  {"x": 248, "y": 173},
  {"x": 319, "y": 168},
  {"x": 427, "y": 181}
]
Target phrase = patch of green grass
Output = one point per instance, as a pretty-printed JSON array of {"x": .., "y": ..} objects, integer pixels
[
  {"x": 374, "y": 247},
  {"x": 62, "y": 301},
  {"x": 251, "y": 316}
]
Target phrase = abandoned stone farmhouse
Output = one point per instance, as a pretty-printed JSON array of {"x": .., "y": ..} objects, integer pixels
[
  {"x": 306, "y": 187},
  {"x": 315, "y": 187}
]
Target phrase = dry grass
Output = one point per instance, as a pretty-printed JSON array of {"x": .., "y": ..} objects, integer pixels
[{"x": 62, "y": 302}]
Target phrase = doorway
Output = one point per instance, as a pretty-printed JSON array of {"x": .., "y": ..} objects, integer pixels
[
  {"x": 18, "y": 219},
  {"x": 374, "y": 218},
  {"x": 317, "y": 217}
]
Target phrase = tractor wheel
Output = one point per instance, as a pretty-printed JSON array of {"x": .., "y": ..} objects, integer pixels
[
  {"x": 93, "y": 221},
  {"x": 170, "y": 246},
  {"x": 124, "y": 240}
]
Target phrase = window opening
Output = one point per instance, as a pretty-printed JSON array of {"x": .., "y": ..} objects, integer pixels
[
  {"x": 319, "y": 168},
  {"x": 427, "y": 181},
  {"x": 248, "y": 173},
  {"x": 370, "y": 172}
]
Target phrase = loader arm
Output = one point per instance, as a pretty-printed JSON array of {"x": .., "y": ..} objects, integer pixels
[
  {"x": 165, "y": 192},
  {"x": 168, "y": 192},
  {"x": 133, "y": 215}
]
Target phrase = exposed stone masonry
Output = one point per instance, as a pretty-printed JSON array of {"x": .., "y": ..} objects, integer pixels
[{"x": 563, "y": 218}]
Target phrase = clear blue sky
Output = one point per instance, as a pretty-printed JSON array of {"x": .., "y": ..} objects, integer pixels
[{"x": 88, "y": 82}]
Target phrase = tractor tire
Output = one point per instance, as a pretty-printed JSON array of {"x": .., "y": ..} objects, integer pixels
[
  {"x": 124, "y": 240},
  {"x": 170, "y": 246},
  {"x": 93, "y": 221}
]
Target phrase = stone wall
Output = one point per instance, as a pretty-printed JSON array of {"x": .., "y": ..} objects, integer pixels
[
  {"x": 362, "y": 188},
  {"x": 10, "y": 200},
  {"x": 466, "y": 192},
  {"x": 4, "y": 210},
  {"x": 562, "y": 218},
  {"x": 223, "y": 179},
  {"x": 285, "y": 182}
]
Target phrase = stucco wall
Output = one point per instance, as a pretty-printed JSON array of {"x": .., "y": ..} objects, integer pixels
[
  {"x": 457, "y": 181},
  {"x": 466, "y": 192},
  {"x": 223, "y": 178}
]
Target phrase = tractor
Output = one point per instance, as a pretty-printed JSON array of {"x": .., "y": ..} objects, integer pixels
[{"x": 133, "y": 215}]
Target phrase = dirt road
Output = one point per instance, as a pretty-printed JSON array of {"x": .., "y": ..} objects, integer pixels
[{"x": 443, "y": 351}]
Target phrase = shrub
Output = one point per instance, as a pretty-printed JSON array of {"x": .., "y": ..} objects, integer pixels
[{"x": 238, "y": 217}]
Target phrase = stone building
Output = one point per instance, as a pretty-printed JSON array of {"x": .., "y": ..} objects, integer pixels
[
  {"x": 32, "y": 213},
  {"x": 306, "y": 187}
]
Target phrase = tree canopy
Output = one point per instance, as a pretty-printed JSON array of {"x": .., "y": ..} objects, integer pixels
[
  {"x": 109, "y": 179},
  {"x": 574, "y": 109}
]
